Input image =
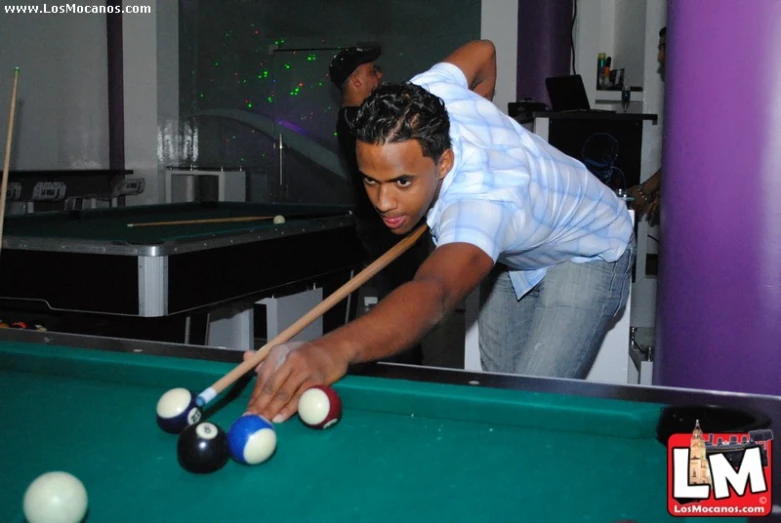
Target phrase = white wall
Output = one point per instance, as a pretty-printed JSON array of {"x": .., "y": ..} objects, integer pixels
[
  {"x": 151, "y": 79},
  {"x": 607, "y": 21},
  {"x": 499, "y": 21},
  {"x": 653, "y": 100},
  {"x": 621, "y": 29},
  {"x": 629, "y": 44},
  {"x": 61, "y": 119},
  {"x": 168, "y": 130},
  {"x": 590, "y": 40}
]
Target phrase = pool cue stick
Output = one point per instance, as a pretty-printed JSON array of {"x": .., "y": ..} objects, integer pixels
[
  {"x": 205, "y": 220},
  {"x": 342, "y": 292},
  {"x": 7, "y": 162}
]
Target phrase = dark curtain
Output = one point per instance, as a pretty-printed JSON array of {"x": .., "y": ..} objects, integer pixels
[{"x": 544, "y": 45}]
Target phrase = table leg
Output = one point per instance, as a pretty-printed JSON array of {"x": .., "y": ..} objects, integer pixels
[{"x": 231, "y": 328}]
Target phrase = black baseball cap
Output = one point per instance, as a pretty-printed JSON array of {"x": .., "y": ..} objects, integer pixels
[{"x": 347, "y": 60}]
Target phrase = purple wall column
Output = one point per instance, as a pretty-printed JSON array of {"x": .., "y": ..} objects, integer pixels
[
  {"x": 719, "y": 304},
  {"x": 543, "y": 45}
]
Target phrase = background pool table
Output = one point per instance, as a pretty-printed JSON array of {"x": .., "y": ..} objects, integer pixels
[
  {"x": 410, "y": 446},
  {"x": 91, "y": 261},
  {"x": 88, "y": 272}
]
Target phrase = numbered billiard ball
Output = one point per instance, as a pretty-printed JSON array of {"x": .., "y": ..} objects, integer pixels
[
  {"x": 320, "y": 407},
  {"x": 55, "y": 497},
  {"x": 202, "y": 448},
  {"x": 176, "y": 409},
  {"x": 252, "y": 439}
]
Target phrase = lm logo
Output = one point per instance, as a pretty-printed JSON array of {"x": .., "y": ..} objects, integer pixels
[{"x": 719, "y": 474}]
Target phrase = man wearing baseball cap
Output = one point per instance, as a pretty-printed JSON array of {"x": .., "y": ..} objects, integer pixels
[
  {"x": 355, "y": 72},
  {"x": 348, "y": 60}
]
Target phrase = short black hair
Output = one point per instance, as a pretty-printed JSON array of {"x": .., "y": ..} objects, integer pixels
[
  {"x": 400, "y": 112},
  {"x": 663, "y": 32}
]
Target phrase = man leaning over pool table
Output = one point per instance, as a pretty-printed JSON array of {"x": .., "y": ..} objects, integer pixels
[{"x": 549, "y": 245}]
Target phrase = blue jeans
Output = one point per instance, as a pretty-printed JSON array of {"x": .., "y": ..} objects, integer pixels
[{"x": 557, "y": 328}]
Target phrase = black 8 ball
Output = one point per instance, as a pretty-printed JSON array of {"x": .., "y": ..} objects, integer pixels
[{"x": 202, "y": 448}]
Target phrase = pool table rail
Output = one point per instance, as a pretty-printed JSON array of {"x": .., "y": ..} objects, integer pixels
[{"x": 173, "y": 245}]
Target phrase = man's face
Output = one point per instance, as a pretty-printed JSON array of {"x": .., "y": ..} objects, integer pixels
[
  {"x": 400, "y": 182},
  {"x": 370, "y": 76},
  {"x": 661, "y": 50}
]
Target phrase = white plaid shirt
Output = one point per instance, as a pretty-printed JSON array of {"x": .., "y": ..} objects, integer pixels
[{"x": 516, "y": 197}]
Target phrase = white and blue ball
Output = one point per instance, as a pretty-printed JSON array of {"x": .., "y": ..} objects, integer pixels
[
  {"x": 252, "y": 439},
  {"x": 177, "y": 410}
]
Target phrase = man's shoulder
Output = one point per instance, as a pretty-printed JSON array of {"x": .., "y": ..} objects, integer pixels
[
  {"x": 347, "y": 114},
  {"x": 345, "y": 119},
  {"x": 441, "y": 73}
]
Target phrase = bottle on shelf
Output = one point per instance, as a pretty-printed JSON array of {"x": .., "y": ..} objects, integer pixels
[
  {"x": 601, "y": 58},
  {"x": 626, "y": 97}
]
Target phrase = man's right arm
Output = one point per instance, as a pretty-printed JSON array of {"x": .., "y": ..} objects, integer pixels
[
  {"x": 477, "y": 60},
  {"x": 395, "y": 323}
]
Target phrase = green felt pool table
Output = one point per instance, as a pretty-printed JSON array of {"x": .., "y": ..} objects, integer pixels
[{"x": 414, "y": 444}]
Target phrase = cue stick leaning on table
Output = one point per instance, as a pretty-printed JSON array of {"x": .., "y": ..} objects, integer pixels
[
  {"x": 342, "y": 292},
  {"x": 7, "y": 162}
]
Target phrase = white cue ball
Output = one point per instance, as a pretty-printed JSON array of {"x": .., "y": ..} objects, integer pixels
[
  {"x": 279, "y": 219},
  {"x": 55, "y": 497}
]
